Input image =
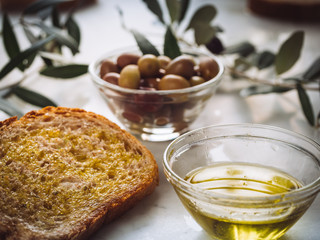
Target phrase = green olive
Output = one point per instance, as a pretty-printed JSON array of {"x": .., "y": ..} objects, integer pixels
[
  {"x": 130, "y": 77},
  {"x": 208, "y": 68},
  {"x": 196, "y": 80},
  {"x": 172, "y": 81},
  {"x": 182, "y": 65},
  {"x": 126, "y": 59},
  {"x": 163, "y": 61},
  {"x": 112, "y": 77},
  {"x": 108, "y": 66},
  {"x": 148, "y": 65}
]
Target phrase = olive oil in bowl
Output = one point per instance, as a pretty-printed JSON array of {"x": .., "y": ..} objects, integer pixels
[{"x": 249, "y": 221}]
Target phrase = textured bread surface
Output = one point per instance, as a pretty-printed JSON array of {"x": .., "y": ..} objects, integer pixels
[{"x": 63, "y": 172}]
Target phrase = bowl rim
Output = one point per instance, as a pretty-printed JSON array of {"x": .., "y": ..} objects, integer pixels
[
  {"x": 224, "y": 199},
  {"x": 93, "y": 66}
]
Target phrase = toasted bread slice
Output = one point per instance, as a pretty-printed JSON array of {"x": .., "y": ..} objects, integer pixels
[{"x": 63, "y": 172}]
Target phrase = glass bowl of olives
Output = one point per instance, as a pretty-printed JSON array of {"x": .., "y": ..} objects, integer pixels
[{"x": 156, "y": 98}]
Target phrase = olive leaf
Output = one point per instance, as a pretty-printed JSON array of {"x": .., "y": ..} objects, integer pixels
[
  {"x": 55, "y": 16},
  {"x": 9, "y": 40},
  {"x": 45, "y": 13},
  {"x": 32, "y": 39},
  {"x": 10, "y": 109},
  {"x": 305, "y": 104},
  {"x": 60, "y": 36},
  {"x": 262, "y": 89},
  {"x": 184, "y": 5},
  {"x": 42, "y": 4},
  {"x": 67, "y": 71},
  {"x": 144, "y": 44},
  {"x": 73, "y": 29},
  {"x": 289, "y": 52},
  {"x": 174, "y": 9},
  {"x": 15, "y": 61},
  {"x": 203, "y": 16},
  {"x": 170, "y": 46},
  {"x": 32, "y": 97},
  {"x": 244, "y": 49},
  {"x": 263, "y": 59},
  {"x": 204, "y": 33},
  {"x": 154, "y": 7},
  {"x": 313, "y": 71}
]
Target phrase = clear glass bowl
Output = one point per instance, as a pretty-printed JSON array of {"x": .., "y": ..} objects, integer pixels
[
  {"x": 155, "y": 115},
  {"x": 252, "y": 181}
]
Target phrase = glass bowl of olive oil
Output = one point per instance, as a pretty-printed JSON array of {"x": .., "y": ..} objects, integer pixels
[{"x": 244, "y": 181}]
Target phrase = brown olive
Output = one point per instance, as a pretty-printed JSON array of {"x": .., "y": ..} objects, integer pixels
[
  {"x": 152, "y": 82},
  {"x": 196, "y": 80},
  {"x": 164, "y": 61},
  {"x": 130, "y": 77},
  {"x": 108, "y": 66},
  {"x": 162, "y": 117},
  {"x": 162, "y": 72},
  {"x": 208, "y": 68},
  {"x": 172, "y": 81},
  {"x": 182, "y": 65},
  {"x": 148, "y": 103},
  {"x": 148, "y": 65},
  {"x": 112, "y": 77},
  {"x": 132, "y": 113},
  {"x": 126, "y": 59}
]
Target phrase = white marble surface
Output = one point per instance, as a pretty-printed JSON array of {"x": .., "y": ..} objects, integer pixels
[{"x": 161, "y": 216}]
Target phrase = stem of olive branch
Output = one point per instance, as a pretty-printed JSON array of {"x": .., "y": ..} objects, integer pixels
[
  {"x": 254, "y": 79},
  {"x": 265, "y": 82}
]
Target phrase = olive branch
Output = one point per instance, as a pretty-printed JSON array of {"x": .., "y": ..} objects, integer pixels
[
  {"x": 48, "y": 34},
  {"x": 244, "y": 55}
]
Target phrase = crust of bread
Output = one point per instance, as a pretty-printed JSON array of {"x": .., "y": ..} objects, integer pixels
[{"x": 107, "y": 210}]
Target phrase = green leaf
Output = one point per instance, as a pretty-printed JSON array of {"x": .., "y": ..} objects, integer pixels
[
  {"x": 32, "y": 97},
  {"x": 204, "y": 33},
  {"x": 203, "y": 15},
  {"x": 55, "y": 17},
  {"x": 29, "y": 34},
  {"x": 174, "y": 9},
  {"x": 67, "y": 71},
  {"x": 24, "y": 55},
  {"x": 305, "y": 104},
  {"x": 144, "y": 44},
  {"x": 43, "y": 14},
  {"x": 289, "y": 52},
  {"x": 41, "y": 4},
  {"x": 32, "y": 38},
  {"x": 9, "y": 40},
  {"x": 10, "y": 109},
  {"x": 171, "y": 47},
  {"x": 73, "y": 29},
  {"x": 184, "y": 5},
  {"x": 264, "y": 59},
  {"x": 262, "y": 89},
  {"x": 154, "y": 7},
  {"x": 313, "y": 71},
  {"x": 62, "y": 38},
  {"x": 244, "y": 49}
]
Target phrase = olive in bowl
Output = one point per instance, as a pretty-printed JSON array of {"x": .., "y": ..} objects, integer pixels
[{"x": 156, "y": 98}]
